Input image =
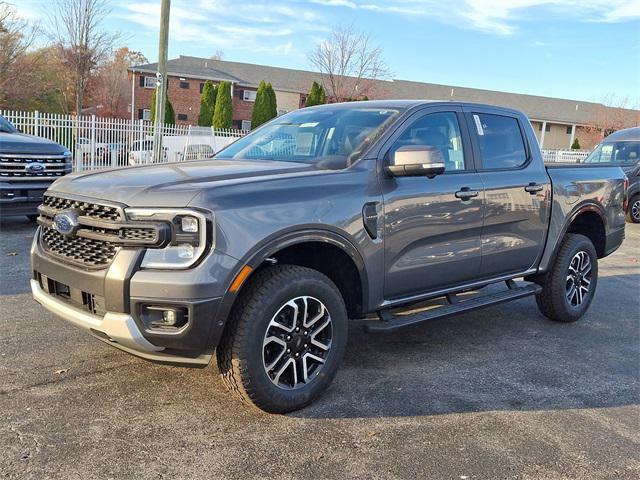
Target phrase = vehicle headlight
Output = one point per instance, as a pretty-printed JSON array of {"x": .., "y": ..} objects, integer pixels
[{"x": 192, "y": 234}]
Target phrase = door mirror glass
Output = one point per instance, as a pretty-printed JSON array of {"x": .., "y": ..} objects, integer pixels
[{"x": 416, "y": 161}]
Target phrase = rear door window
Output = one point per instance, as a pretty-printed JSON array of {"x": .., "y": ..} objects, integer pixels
[{"x": 500, "y": 141}]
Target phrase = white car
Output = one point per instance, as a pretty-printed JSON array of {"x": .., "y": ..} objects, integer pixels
[{"x": 141, "y": 153}]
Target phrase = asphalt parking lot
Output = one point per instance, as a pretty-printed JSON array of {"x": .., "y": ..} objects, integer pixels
[{"x": 500, "y": 393}]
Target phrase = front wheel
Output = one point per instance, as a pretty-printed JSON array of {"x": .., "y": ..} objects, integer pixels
[
  {"x": 286, "y": 337},
  {"x": 633, "y": 210},
  {"x": 568, "y": 288}
]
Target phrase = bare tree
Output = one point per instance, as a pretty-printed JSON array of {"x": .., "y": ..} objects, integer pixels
[
  {"x": 81, "y": 41},
  {"x": 217, "y": 55},
  {"x": 611, "y": 114},
  {"x": 350, "y": 64},
  {"x": 112, "y": 88},
  {"x": 16, "y": 37}
]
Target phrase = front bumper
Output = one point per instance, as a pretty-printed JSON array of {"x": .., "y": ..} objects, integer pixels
[
  {"x": 21, "y": 199},
  {"x": 107, "y": 302},
  {"x": 117, "y": 329}
]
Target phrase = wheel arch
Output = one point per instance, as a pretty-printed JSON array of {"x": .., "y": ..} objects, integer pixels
[{"x": 346, "y": 267}]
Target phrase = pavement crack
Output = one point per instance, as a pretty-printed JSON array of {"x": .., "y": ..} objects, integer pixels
[{"x": 61, "y": 379}]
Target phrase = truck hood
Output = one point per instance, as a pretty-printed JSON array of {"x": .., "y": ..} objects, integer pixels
[
  {"x": 169, "y": 184},
  {"x": 22, "y": 143}
]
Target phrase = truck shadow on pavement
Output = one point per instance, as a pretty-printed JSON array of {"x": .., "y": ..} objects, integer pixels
[{"x": 502, "y": 358}]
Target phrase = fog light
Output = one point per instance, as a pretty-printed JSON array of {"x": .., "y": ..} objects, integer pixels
[
  {"x": 164, "y": 317},
  {"x": 189, "y": 224},
  {"x": 169, "y": 318}
]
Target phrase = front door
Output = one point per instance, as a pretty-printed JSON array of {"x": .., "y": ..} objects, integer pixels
[{"x": 432, "y": 225}]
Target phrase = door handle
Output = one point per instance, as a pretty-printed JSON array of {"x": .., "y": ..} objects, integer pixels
[
  {"x": 533, "y": 188},
  {"x": 465, "y": 193}
]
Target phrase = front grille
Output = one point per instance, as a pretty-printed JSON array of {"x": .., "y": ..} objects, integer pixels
[
  {"x": 32, "y": 167},
  {"x": 101, "y": 230},
  {"x": 78, "y": 250},
  {"x": 93, "y": 210}
]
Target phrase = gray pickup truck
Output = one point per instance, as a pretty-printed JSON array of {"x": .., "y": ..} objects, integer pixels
[
  {"x": 28, "y": 166},
  {"x": 346, "y": 211}
]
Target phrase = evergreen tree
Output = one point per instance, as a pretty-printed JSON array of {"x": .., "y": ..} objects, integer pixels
[
  {"x": 259, "y": 114},
  {"x": 207, "y": 104},
  {"x": 316, "y": 95},
  {"x": 169, "y": 114},
  {"x": 322, "y": 96},
  {"x": 576, "y": 144},
  {"x": 271, "y": 103},
  {"x": 223, "y": 113}
]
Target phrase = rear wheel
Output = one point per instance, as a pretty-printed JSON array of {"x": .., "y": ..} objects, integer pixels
[
  {"x": 568, "y": 288},
  {"x": 286, "y": 338},
  {"x": 633, "y": 211}
]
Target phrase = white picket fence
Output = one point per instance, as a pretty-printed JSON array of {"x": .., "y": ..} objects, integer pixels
[
  {"x": 102, "y": 142},
  {"x": 564, "y": 156}
]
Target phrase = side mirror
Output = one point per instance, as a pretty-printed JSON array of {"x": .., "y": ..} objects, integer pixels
[{"x": 416, "y": 161}]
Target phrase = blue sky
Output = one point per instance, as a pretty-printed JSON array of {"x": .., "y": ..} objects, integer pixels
[{"x": 578, "y": 49}]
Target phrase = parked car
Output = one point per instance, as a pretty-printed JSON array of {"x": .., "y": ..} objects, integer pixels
[
  {"x": 28, "y": 166},
  {"x": 623, "y": 148},
  {"x": 261, "y": 255},
  {"x": 197, "y": 151},
  {"x": 141, "y": 153}
]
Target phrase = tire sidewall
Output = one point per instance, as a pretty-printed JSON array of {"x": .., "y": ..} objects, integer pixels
[
  {"x": 277, "y": 399},
  {"x": 634, "y": 199},
  {"x": 578, "y": 243}
]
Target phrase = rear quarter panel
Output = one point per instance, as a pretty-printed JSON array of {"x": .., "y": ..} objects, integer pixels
[{"x": 577, "y": 188}]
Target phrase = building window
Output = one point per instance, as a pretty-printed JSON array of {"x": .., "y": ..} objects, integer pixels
[
  {"x": 201, "y": 87},
  {"x": 182, "y": 116},
  {"x": 249, "y": 96},
  {"x": 245, "y": 125},
  {"x": 146, "y": 114},
  {"x": 569, "y": 130},
  {"x": 149, "y": 82},
  {"x": 548, "y": 129},
  {"x": 184, "y": 85}
]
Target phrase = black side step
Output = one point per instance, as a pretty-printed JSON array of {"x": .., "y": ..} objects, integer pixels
[{"x": 391, "y": 323}]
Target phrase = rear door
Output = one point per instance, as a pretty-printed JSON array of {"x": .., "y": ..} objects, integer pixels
[
  {"x": 432, "y": 225},
  {"x": 516, "y": 188}
]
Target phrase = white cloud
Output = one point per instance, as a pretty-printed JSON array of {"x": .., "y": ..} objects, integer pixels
[
  {"x": 498, "y": 16},
  {"x": 251, "y": 25}
]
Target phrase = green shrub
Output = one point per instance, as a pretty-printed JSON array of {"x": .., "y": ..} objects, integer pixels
[
  {"x": 575, "y": 145},
  {"x": 207, "y": 104},
  {"x": 223, "y": 113}
]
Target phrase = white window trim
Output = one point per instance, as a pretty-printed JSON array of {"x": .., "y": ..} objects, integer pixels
[
  {"x": 248, "y": 97},
  {"x": 149, "y": 82},
  {"x": 245, "y": 125}
]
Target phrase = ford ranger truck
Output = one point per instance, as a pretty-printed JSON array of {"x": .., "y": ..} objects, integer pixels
[
  {"x": 28, "y": 166},
  {"x": 346, "y": 211}
]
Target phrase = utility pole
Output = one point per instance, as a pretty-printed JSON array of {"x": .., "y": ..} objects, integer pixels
[{"x": 161, "y": 93}]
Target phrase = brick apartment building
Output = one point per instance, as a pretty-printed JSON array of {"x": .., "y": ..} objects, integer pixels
[{"x": 557, "y": 122}]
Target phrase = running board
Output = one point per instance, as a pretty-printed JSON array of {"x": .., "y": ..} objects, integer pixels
[{"x": 390, "y": 323}]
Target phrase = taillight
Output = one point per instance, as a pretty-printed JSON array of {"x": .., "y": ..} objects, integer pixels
[{"x": 625, "y": 201}]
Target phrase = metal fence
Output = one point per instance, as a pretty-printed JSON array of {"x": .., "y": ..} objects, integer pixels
[
  {"x": 564, "y": 156},
  {"x": 102, "y": 142}
]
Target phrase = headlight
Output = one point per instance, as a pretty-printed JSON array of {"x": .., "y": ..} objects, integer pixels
[{"x": 192, "y": 234}]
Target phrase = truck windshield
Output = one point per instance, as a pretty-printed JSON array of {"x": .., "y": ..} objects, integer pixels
[
  {"x": 625, "y": 152},
  {"x": 331, "y": 139},
  {"x": 5, "y": 126}
]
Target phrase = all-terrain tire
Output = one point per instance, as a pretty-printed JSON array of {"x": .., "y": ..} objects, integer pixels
[
  {"x": 241, "y": 352},
  {"x": 556, "y": 300}
]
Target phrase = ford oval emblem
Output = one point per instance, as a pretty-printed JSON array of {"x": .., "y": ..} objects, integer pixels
[
  {"x": 66, "y": 222},
  {"x": 35, "y": 167}
]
